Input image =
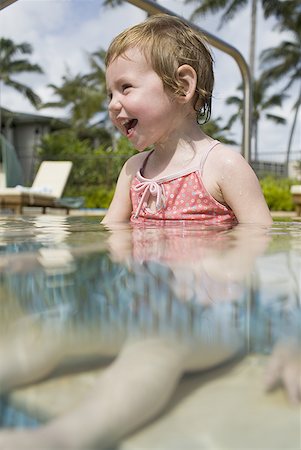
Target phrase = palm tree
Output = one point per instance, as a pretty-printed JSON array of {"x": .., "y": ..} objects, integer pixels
[
  {"x": 284, "y": 61},
  {"x": 230, "y": 9},
  {"x": 97, "y": 64},
  {"x": 287, "y": 13},
  {"x": 11, "y": 63},
  {"x": 97, "y": 78},
  {"x": 261, "y": 103},
  {"x": 76, "y": 95},
  {"x": 84, "y": 96}
]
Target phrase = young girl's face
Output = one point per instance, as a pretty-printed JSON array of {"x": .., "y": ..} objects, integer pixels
[{"x": 138, "y": 104}]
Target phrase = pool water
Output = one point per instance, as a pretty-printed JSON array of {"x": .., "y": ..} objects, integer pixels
[{"x": 73, "y": 292}]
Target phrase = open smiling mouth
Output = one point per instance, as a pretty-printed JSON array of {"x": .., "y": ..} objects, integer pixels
[{"x": 130, "y": 125}]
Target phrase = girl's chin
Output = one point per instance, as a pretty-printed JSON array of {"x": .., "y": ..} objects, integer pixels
[
  {"x": 139, "y": 147},
  {"x": 140, "y": 144}
]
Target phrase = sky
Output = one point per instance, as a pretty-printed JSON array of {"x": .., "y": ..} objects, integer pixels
[{"x": 64, "y": 32}]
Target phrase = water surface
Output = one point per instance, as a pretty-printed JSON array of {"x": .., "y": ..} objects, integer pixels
[{"x": 73, "y": 294}]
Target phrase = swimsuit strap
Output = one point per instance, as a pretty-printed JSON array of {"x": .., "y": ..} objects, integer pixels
[
  {"x": 145, "y": 162},
  {"x": 205, "y": 156},
  {"x": 203, "y": 160}
]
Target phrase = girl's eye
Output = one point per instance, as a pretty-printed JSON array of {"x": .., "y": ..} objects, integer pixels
[{"x": 125, "y": 88}]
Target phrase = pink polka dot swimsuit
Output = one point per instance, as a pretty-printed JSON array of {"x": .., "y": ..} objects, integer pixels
[{"x": 181, "y": 196}]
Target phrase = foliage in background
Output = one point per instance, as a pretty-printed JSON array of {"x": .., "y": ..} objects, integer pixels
[
  {"x": 284, "y": 61},
  {"x": 214, "y": 129},
  {"x": 277, "y": 193},
  {"x": 263, "y": 101},
  {"x": 95, "y": 169},
  {"x": 13, "y": 62},
  {"x": 88, "y": 140},
  {"x": 280, "y": 63},
  {"x": 83, "y": 96}
]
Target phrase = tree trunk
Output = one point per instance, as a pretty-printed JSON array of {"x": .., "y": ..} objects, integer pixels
[{"x": 289, "y": 145}]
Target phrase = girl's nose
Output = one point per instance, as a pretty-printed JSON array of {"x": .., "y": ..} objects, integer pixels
[{"x": 114, "y": 105}]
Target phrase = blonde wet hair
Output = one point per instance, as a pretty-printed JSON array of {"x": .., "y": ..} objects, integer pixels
[{"x": 167, "y": 42}]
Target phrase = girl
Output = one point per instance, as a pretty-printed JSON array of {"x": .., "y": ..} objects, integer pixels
[{"x": 160, "y": 80}]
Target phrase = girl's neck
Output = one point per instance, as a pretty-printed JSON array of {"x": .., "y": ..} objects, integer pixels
[
  {"x": 181, "y": 145},
  {"x": 181, "y": 151}
]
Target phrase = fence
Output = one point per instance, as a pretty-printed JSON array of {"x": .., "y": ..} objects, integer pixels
[{"x": 263, "y": 168}]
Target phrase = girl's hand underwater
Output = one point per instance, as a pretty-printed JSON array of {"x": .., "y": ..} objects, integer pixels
[{"x": 284, "y": 368}]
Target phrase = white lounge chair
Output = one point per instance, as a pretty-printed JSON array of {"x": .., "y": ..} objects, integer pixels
[{"x": 46, "y": 190}]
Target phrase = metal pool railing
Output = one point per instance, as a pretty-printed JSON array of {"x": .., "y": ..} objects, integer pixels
[{"x": 4, "y": 3}]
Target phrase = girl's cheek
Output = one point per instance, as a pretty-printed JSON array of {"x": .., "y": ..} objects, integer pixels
[{"x": 112, "y": 117}]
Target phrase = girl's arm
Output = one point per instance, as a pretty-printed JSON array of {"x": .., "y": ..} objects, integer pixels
[
  {"x": 240, "y": 189},
  {"x": 120, "y": 208}
]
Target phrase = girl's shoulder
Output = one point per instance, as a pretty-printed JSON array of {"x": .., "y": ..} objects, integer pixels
[
  {"x": 225, "y": 164},
  {"x": 227, "y": 156}
]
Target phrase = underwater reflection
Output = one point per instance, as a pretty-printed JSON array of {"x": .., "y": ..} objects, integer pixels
[{"x": 152, "y": 304}]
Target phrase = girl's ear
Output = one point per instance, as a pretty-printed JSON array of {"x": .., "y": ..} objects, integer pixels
[{"x": 187, "y": 78}]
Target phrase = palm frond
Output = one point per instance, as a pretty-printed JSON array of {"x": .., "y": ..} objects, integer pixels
[
  {"x": 277, "y": 119},
  {"x": 206, "y": 7},
  {"x": 274, "y": 100},
  {"x": 233, "y": 8},
  {"x": 34, "y": 99},
  {"x": 233, "y": 100},
  {"x": 232, "y": 120},
  {"x": 22, "y": 65}
]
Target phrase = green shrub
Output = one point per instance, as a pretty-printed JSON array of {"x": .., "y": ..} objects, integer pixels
[
  {"x": 277, "y": 193},
  {"x": 95, "y": 196},
  {"x": 95, "y": 169},
  {"x": 98, "y": 197}
]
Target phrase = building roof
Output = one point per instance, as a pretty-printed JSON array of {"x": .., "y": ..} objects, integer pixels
[{"x": 26, "y": 118}]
